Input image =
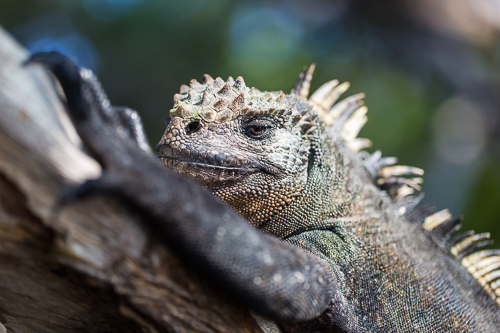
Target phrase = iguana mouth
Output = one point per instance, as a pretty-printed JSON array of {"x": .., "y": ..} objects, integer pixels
[
  {"x": 207, "y": 174},
  {"x": 181, "y": 162},
  {"x": 208, "y": 168}
]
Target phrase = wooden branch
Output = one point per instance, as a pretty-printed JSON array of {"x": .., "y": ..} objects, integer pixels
[{"x": 89, "y": 266}]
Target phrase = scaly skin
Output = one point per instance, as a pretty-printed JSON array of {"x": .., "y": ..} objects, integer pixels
[
  {"x": 289, "y": 165},
  {"x": 362, "y": 257}
]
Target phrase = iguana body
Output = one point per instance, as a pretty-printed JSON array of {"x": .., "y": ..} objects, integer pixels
[
  {"x": 289, "y": 165},
  {"x": 300, "y": 181}
]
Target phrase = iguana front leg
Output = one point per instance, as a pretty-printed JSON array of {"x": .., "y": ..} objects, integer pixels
[{"x": 269, "y": 276}]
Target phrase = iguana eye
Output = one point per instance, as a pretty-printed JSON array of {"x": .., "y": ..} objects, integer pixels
[
  {"x": 193, "y": 126},
  {"x": 258, "y": 128}
]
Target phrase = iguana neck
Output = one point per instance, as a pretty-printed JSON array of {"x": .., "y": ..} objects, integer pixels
[{"x": 318, "y": 206}]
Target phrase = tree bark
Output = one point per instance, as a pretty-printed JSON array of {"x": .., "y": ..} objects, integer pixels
[{"x": 89, "y": 265}]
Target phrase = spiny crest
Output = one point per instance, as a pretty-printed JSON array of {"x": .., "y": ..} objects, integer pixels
[
  {"x": 484, "y": 265},
  {"x": 239, "y": 84},
  {"x": 393, "y": 179},
  {"x": 304, "y": 82},
  {"x": 344, "y": 119},
  {"x": 207, "y": 79},
  {"x": 400, "y": 182},
  {"x": 216, "y": 100}
]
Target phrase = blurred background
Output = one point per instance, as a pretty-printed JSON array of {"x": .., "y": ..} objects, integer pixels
[{"x": 430, "y": 69}]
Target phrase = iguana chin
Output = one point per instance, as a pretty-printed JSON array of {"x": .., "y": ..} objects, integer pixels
[{"x": 292, "y": 166}]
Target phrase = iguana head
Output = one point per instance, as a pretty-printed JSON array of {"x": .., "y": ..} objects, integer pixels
[{"x": 252, "y": 149}]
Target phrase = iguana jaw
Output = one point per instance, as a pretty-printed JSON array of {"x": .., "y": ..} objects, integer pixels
[{"x": 209, "y": 174}]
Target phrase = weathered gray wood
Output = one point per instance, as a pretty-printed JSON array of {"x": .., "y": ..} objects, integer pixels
[{"x": 89, "y": 266}]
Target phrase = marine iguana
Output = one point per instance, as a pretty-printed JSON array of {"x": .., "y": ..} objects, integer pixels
[{"x": 294, "y": 168}]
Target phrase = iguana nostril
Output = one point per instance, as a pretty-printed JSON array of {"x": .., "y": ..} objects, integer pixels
[{"x": 193, "y": 126}]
